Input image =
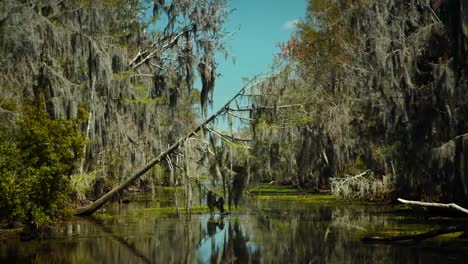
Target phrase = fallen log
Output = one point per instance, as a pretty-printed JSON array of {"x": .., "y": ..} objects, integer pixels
[
  {"x": 425, "y": 235},
  {"x": 96, "y": 205},
  {"x": 440, "y": 205}
]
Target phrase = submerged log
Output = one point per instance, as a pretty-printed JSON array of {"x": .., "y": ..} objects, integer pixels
[{"x": 418, "y": 237}]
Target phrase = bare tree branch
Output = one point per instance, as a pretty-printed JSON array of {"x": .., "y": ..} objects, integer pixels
[
  {"x": 227, "y": 137},
  {"x": 137, "y": 61},
  {"x": 248, "y": 108},
  {"x": 240, "y": 117},
  {"x": 450, "y": 205},
  {"x": 425, "y": 235}
]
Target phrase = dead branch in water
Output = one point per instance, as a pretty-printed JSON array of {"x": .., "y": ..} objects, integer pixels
[
  {"x": 440, "y": 205},
  {"x": 425, "y": 235}
]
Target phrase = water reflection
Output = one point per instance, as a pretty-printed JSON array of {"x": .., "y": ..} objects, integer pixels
[
  {"x": 226, "y": 243},
  {"x": 265, "y": 232},
  {"x": 123, "y": 242}
]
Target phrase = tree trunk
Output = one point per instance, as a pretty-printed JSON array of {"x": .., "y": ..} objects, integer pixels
[
  {"x": 96, "y": 205},
  {"x": 93, "y": 207}
]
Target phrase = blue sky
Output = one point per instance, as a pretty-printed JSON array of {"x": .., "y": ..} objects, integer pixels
[{"x": 258, "y": 26}]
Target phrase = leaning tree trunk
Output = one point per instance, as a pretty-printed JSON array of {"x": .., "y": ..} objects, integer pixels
[{"x": 94, "y": 206}]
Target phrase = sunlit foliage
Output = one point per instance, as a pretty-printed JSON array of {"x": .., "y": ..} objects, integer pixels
[{"x": 36, "y": 160}]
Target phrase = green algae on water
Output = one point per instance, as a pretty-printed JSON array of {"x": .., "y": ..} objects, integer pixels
[
  {"x": 273, "y": 189},
  {"x": 180, "y": 210},
  {"x": 305, "y": 198}
]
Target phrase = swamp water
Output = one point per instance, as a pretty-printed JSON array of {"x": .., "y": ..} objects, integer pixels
[{"x": 268, "y": 229}]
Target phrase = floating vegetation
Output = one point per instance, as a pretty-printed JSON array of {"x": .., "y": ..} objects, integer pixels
[
  {"x": 10, "y": 233},
  {"x": 288, "y": 193},
  {"x": 273, "y": 189},
  {"x": 170, "y": 188},
  {"x": 179, "y": 210},
  {"x": 305, "y": 198},
  {"x": 175, "y": 210},
  {"x": 105, "y": 216}
]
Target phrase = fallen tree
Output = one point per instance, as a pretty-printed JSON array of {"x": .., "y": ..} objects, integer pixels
[
  {"x": 94, "y": 206},
  {"x": 430, "y": 234}
]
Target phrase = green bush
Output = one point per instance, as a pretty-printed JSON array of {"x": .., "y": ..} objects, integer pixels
[{"x": 36, "y": 161}]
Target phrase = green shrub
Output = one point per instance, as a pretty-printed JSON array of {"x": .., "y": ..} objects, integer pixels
[{"x": 36, "y": 161}]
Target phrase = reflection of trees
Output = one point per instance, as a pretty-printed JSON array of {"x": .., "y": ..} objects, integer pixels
[
  {"x": 237, "y": 248},
  {"x": 130, "y": 247},
  {"x": 291, "y": 236},
  {"x": 280, "y": 232},
  {"x": 318, "y": 234},
  {"x": 229, "y": 243},
  {"x": 293, "y": 233}
]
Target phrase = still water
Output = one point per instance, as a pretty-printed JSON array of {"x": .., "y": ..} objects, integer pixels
[{"x": 263, "y": 231}]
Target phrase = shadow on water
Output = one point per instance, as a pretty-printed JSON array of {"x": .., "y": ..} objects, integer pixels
[{"x": 265, "y": 231}]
